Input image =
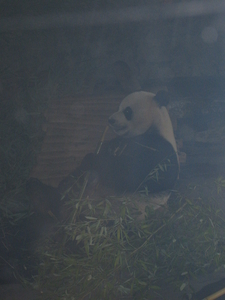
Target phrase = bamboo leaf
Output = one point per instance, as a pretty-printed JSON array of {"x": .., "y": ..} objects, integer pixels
[
  {"x": 86, "y": 246},
  {"x": 90, "y": 218},
  {"x": 79, "y": 237},
  {"x": 117, "y": 259},
  {"x": 118, "y": 234}
]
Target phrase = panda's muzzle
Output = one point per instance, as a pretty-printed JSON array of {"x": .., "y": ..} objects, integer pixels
[
  {"x": 115, "y": 125},
  {"x": 117, "y": 128},
  {"x": 111, "y": 121}
]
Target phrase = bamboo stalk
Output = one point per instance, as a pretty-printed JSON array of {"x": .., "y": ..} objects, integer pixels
[{"x": 216, "y": 295}]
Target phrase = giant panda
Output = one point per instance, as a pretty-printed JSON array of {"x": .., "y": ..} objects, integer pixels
[{"x": 144, "y": 153}]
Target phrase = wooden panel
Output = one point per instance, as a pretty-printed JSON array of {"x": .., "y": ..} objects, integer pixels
[{"x": 74, "y": 128}]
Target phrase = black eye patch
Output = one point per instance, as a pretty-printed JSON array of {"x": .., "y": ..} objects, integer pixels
[{"x": 128, "y": 113}]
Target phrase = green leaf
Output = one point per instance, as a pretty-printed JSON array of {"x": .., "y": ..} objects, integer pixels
[
  {"x": 79, "y": 237},
  {"x": 142, "y": 282},
  {"x": 118, "y": 234},
  {"x": 86, "y": 246},
  {"x": 90, "y": 218},
  {"x": 117, "y": 259}
]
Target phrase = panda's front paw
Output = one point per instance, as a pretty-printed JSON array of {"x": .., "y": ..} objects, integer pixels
[{"x": 87, "y": 162}]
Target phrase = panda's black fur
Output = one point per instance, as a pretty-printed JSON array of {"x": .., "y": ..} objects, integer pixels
[
  {"x": 132, "y": 164},
  {"x": 140, "y": 156},
  {"x": 162, "y": 98}
]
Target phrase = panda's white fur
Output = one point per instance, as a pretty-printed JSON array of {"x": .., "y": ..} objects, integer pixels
[{"x": 146, "y": 115}]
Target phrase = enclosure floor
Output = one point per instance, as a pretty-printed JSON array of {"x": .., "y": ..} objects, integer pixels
[{"x": 17, "y": 292}]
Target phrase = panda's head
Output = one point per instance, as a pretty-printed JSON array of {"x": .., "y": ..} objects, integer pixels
[{"x": 136, "y": 114}]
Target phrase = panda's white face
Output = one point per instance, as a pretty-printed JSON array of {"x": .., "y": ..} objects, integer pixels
[{"x": 135, "y": 115}]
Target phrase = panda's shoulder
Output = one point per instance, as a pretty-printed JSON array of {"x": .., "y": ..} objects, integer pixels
[{"x": 162, "y": 98}]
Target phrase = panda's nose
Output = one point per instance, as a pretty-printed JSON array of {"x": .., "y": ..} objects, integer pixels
[{"x": 111, "y": 121}]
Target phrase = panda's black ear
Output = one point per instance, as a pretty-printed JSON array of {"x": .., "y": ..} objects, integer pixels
[{"x": 162, "y": 98}]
